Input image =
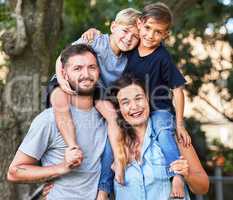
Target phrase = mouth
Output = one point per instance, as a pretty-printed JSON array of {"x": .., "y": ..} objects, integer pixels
[
  {"x": 86, "y": 83},
  {"x": 148, "y": 40},
  {"x": 126, "y": 44},
  {"x": 136, "y": 114}
]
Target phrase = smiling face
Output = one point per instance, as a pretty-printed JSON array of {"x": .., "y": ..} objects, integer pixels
[
  {"x": 82, "y": 72},
  {"x": 125, "y": 37},
  {"x": 133, "y": 104},
  {"x": 151, "y": 32}
]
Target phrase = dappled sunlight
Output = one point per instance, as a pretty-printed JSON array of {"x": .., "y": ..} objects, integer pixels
[{"x": 3, "y": 66}]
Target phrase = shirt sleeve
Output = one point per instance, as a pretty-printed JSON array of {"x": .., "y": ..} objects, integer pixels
[
  {"x": 171, "y": 74},
  {"x": 36, "y": 141}
]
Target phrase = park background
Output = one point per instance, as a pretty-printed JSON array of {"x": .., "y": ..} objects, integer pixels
[{"x": 33, "y": 32}]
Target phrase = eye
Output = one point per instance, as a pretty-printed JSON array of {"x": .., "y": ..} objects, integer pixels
[
  {"x": 92, "y": 67},
  {"x": 147, "y": 27},
  {"x": 77, "y": 68},
  {"x": 125, "y": 103},
  {"x": 138, "y": 98}
]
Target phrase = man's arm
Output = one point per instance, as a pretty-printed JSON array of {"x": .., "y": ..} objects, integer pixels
[{"x": 25, "y": 169}]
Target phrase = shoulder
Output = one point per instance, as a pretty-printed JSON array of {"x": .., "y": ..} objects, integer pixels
[
  {"x": 45, "y": 118},
  {"x": 164, "y": 53},
  {"x": 101, "y": 42}
]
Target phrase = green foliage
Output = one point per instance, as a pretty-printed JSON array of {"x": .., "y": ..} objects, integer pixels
[{"x": 6, "y": 20}]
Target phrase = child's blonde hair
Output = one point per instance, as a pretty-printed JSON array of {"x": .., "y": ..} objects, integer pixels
[{"x": 127, "y": 16}]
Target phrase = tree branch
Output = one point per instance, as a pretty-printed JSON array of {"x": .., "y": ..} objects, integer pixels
[
  {"x": 204, "y": 98},
  {"x": 14, "y": 41}
]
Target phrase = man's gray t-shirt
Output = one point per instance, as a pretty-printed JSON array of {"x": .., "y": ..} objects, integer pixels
[
  {"x": 111, "y": 66},
  {"x": 44, "y": 142}
]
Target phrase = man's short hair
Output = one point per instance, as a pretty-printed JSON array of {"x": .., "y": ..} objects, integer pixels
[
  {"x": 77, "y": 49},
  {"x": 127, "y": 16},
  {"x": 158, "y": 11}
]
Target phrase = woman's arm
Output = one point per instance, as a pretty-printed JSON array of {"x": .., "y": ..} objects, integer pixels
[{"x": 197, "y": 178}]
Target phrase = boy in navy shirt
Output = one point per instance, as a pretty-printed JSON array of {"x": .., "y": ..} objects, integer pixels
[{"x": 152, "y": 63}]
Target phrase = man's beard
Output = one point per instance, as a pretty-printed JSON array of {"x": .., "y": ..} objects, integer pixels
[{"x": 82, "y": 92}]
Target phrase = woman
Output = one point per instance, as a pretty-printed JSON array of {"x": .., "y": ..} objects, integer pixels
[{"x": 146, "y": 174}]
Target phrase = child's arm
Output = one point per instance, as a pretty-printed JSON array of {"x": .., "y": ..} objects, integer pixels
[
  {"x": 61, "y": 102},
  {"x": 182, "y": 134},
  {"x": 90, "y": 34},
  {"x": 65, "y": 86}
]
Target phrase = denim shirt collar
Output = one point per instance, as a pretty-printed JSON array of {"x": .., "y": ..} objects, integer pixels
[{"x": 147, "y": 138}]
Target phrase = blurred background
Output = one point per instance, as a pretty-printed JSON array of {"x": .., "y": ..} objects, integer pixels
[{"x": 33, "y": 32}]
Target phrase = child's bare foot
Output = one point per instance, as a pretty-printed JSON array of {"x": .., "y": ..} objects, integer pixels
[
  {"x": 119, "y": 172},
  {"x": 177, "y": 187},
  {"x": 102, "y": 196}
]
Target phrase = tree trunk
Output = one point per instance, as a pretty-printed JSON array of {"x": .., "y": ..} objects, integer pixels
[{"x": 29, "y": 46}]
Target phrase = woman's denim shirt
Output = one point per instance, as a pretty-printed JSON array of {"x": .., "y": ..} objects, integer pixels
[{"x": 147, "y": 179}]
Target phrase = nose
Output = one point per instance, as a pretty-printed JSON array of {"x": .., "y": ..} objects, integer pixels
[
  {"x": 85, "y": 72},
  {"x": 151, "y": 34},
  {"x": 129, "y": 37},
  {"x": 133, "y": 105}
]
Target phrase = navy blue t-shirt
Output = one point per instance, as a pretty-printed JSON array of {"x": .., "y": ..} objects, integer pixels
[{"x": 159, "y": 74}]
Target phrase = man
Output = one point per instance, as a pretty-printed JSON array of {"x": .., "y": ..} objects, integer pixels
[{"x": 75, "y": 172}]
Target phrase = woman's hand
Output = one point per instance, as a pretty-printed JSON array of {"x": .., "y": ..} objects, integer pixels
[{"x": 180, "y": 166}]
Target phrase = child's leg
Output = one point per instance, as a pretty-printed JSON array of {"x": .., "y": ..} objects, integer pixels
[
  {"x": 60, "y": 102},
  {"x": 164, "y": 127},
  {"x": 107, "y": 175},
  {"x": 115, "y": 137}
]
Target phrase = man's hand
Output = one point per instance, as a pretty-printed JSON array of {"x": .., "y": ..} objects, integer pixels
[
  {"x": 182, "y": 135},
  {"x": 106, "y": 109},
  {"x": 90, "y": 35},
  {"x": 73, "y": 157}
]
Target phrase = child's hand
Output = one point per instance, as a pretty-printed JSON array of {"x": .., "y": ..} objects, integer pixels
[
  {"x": 90, "y": 35},
  {"x": 183, "y": 136},
  {"x": 180, "y": 166},
  {"x": 73, "y": 156},
  {"x": 65, "y": 86},
  {"x": 106, "y": 109}
]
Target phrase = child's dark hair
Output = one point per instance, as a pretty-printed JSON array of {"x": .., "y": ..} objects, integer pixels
[
  {"x": 129, "y": 134},
  {"x": 76, "y": 49},
  {"x": 158, "y": 11}
]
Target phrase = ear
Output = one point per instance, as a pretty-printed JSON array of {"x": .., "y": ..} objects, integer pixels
[
  {"x": 65, "y": 75},
  {"x": 113, "y": 26},
  {"x": 166, "y": 35},
  {"x": 139, "y": 23}
]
